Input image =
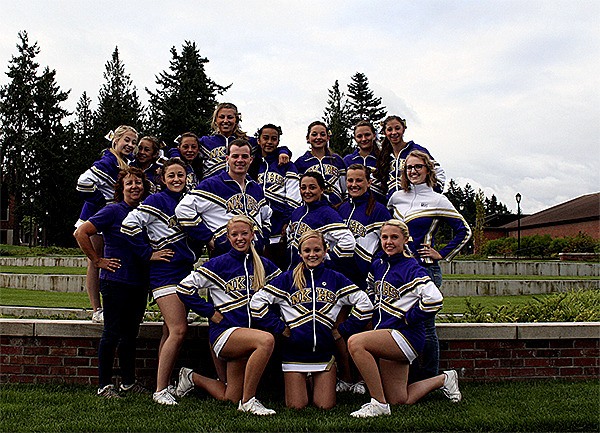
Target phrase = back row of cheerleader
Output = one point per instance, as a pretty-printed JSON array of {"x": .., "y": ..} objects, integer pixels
[{"x": 168, "y": 228}]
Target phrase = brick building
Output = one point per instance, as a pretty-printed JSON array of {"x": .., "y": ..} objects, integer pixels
[{"x": 579, "y": 215}]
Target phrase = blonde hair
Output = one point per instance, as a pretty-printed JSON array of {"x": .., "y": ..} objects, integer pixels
[
  {"x": 237, "y": 132},
  {"x": 298, "y": 273},
  {"x": 258, "y": 281},
  {"x": 120, "y": 132},
  {"x": 405, "y": 232},
  {"x": 430, "y": 178}
]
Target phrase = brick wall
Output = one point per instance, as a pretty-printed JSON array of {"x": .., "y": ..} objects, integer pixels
[{"x": 41, "y": 351}]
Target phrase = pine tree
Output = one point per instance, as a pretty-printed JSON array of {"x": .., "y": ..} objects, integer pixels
[
  {"x": 478, "y": 236},
  {"x": 185, "y": 97},
  {"x": 17, "y": 119},
  {"x": 362, "y": 103},
  {"x": 118, "y": 103},
  {"x": 336, "y": 117},
  {"x": 55, "y": 199}
]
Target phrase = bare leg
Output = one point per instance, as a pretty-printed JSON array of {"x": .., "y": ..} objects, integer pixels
[
  {"x": 220, "y": 366},
  {"x": 92, "y": 276},
  {"x": 394, "y": 375},
  {"x": 174, "y": 315},
  {"x": 296, "y": 394},
  {"x": 257, "y": 346},
  {"x": 324, "y": 388}
]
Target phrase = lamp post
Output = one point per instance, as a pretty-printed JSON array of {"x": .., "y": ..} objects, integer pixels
[{"x": 518, "y": 198}]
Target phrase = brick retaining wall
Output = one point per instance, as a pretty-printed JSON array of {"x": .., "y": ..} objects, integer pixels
[{"x": 41, "y": 351}]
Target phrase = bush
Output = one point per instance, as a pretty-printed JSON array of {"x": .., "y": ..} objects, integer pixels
[
  {"x": 572, "y": 306},
  {"x": 542, "y": 246}
]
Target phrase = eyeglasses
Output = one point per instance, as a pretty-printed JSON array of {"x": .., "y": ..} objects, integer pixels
[{"x": 417, "y": 167}]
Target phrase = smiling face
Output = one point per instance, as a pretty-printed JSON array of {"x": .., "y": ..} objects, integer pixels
[
  {"x": 416, "y": 170},
  {"x": 226, "y": 121},
  {"x": 145, "y": 153},
  {"x": 174, "y": 178},
  {"x": 357, "y": 183},
  {"x": 133, "y": 189},
  {"x": 126, "y": 143},
  {"x": 392, "y": 239},
  {"x": 188, "y": 147},
  {"x": 394, "y": 131},
  {"x": 239, "y": 160},
  {"x": 312, "y": 252},
  {"x": 318, "y": 137},
  {"x": 310, "y": 190},
  {"x": 364, "y": 137},
  {"x": 268, "y": 140},
  {"x": 240, "y": 236}
]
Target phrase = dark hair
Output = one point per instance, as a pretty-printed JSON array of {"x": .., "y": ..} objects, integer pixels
[
  {"x": 240, "y": 142},
  {"x": 315, "y": 175},
  {"x": 268, "y": 126},
  {"x": 384, "y": 160},
  {"x": 367, "y": 171},
  {"x": 372, "y": 128},
  {"x": 120, "y": 186},
  {"x": 168, "y": 163}
]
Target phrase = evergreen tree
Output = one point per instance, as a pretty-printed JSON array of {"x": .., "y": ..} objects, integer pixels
[
  {"x": 55, "y": 199},
  {"x": 118, "y": 103},
  {"x": 362, "y": 103},
  {"x": 17, "y": 123},
  {"x": 478, "y": 237},
  {"x": 185, "y": 97},
  {"x": 336, "y": 117}
]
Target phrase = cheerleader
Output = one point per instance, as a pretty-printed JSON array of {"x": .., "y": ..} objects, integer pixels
[
  {"x": 317, "y": 214},
  {"x": 366, "y": 153},
  {"x": 123, "y": 282},
  {"x": 280, "y": 187},
  {"x": 423, "y": 209},
  {"x": 320, "y": 159},
  {"x": 310, "y": 298},
  {"x": 229, "y": 281},
  {"x": 147, "y": 157},
  {"x": 364, "y": 216},
  {"x": 404, "y": 296},
  {"x": 391, "y": 158},
  {"x": 205, "y": 211},
  {"x": 188, "y": 149},
  {"x": 155, "y": 220},
  {"x": 96, "y": 185}
]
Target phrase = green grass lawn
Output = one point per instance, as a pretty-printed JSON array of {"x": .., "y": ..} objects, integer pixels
[
  {"x": 46, "y": 270},
  {"x": 549, "y": 406},
  {"x": 40, "y": 298},
  {"x": 25, "y": 251}
]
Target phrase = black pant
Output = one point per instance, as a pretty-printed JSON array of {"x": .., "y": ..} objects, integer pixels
[{"x": 124, "y": 306}]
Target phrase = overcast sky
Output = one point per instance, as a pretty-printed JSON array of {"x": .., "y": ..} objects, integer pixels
[{"x": 504, "y": 94}]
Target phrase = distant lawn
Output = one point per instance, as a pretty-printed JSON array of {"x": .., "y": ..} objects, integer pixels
[
  {"x": 46, "y": 270},
  {"x": 25, "y": 251},
  {"x": 533, "y": 406},
  {"x": 40, "y": 298}
]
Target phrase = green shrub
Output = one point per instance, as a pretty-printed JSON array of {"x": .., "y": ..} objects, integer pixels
[
  {"x": 572, "y": 306},
  {"x": 541, "y": 246}
]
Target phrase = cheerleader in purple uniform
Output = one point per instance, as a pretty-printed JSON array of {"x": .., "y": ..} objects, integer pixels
[
  {"x": 310, "y": 298},
  {"x": 227, "y": 283},
  {"x": 96, "y": 185},
  {"x": 123, "y": 282},
  {"x": 320, "y": 159},
  {"x": 147, "y": 157},
  {"x": 404, "y": 297},
  {"x": 153, "y": 231},
  {"x": 394, "y": 151},
  {"x": 280, "y": 184}
]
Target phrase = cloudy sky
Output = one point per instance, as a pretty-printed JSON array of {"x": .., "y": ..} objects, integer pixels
[{"x": 504, "y": 94}]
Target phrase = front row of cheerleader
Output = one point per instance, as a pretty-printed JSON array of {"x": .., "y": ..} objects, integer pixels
[{"x": 244, "y": 290}]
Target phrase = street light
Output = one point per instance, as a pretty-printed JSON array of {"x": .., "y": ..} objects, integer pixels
[{"x": 518, "y": 198}]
